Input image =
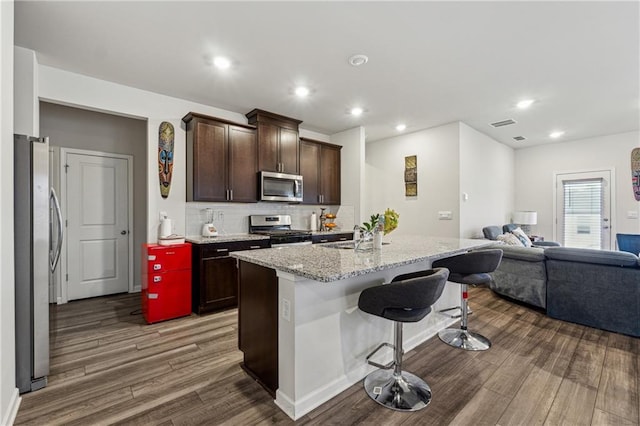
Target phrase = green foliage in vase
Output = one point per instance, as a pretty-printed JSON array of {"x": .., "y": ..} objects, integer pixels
[
  {"x": 389, "y": 219},
  {"x": 371, "y": 225}
]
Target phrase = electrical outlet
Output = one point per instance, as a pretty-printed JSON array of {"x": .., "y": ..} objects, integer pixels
[
  {"x": 286, "y": 309},
  {"x": 632, "y": 214},
  {"x": 445, "y": 215}
]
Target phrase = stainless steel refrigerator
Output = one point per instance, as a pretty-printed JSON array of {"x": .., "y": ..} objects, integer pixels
[{"x": 35, "y": 258}]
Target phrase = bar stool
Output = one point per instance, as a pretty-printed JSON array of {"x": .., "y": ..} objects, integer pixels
[
  {"x": 468, "y": 268},
  {"x": 408, "y": 298}
]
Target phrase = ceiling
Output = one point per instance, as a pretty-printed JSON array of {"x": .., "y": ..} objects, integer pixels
[{"x": 430, "y": 63}]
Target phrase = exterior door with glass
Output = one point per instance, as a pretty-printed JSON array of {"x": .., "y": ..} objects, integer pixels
[{"x": 583, "y": 209}]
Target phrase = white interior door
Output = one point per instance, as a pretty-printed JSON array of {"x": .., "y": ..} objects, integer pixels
[
  {"x": 583, "y": 209},
  {"x": 97, "y": 225}
]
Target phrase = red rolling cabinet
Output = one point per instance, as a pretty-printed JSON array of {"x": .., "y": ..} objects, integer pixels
[{"x": 166, "y": 281}]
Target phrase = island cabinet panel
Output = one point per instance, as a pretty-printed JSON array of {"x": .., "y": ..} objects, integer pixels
[
  {"x": 222, "y": 160},
  {"x": 320, "y": 169},
  {"x": 258, "y": 323},
  {"x": 215, "y": 276},
  {"x": 278, "y": 142}
]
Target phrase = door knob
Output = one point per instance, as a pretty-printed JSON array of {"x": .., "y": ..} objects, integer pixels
[{"x": 123, "y": 232}]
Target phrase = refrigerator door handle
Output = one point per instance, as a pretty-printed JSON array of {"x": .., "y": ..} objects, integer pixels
[{"x": 55, "y": 257}]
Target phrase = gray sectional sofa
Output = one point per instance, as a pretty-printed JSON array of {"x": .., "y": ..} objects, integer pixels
[{"x": 596, "y": 288}]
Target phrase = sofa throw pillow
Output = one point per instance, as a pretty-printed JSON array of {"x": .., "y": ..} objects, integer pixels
[
  {"x": 510, "y": 240},
  {"x": 518, "y": 232}
]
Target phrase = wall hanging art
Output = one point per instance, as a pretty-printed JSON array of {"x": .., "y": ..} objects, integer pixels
[
  {"x": 411, "y": 176},
  {"x": 165, "y": 157}
]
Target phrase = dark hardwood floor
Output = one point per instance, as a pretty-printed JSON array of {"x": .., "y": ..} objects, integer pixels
[{"x": 109, "y": 367}]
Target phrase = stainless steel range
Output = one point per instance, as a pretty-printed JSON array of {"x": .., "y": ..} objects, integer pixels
[{"x": 278, "y": 228}]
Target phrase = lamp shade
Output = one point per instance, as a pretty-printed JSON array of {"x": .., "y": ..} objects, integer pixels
[{"x": 525, "y": 218}]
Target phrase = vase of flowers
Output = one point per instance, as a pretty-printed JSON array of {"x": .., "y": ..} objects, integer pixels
[{"x": 371, "y": 232}]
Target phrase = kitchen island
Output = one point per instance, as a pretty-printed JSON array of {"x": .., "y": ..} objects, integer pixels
[{"x": 302, "y": 334}]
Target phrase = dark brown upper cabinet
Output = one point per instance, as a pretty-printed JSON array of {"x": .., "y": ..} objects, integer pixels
[
  {"x": 278, "y": 142},
  {"x": 222, "y": 160},
  {"x": 320, "y": 170}
]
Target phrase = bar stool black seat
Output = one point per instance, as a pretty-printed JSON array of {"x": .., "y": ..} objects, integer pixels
[
  {"x": 468, "y": 268},
  {"x": 407, "y": 298}
]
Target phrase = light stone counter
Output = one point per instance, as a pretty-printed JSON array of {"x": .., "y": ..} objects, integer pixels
[
  {"x": 322, "y": 336},
  {"x": 197, "y": 239},
  {"x": 325, "y": 263}
]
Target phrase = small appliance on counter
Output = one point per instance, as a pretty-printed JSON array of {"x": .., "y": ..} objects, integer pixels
[
  {"x": 208, "y": 229},
  {"x": 165, "y": 237},
  {"x": 165, "y": 225}
]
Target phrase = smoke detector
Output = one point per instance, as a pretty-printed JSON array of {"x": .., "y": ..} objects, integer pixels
[{"x": 357, "y": 60}]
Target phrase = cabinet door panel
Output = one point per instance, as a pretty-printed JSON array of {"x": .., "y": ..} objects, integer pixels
[
  {"x": 243, "y": 164},
  {"x": 289, "y": 150},
  {"x": 330, "y": 175},
  {"x": 210, "y": 162},
  {"x": 268, "y": 147},
  {"x": 310, "y": 171},
  {"x": 219, "y": 285}
]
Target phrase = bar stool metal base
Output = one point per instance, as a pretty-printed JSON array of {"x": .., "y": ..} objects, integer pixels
[
  {"x": 464, "y": 339},
  {"x": 406, "y": 392}
]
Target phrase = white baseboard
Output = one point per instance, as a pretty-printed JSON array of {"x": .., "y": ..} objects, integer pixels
[{"x": 12, "y": 410}]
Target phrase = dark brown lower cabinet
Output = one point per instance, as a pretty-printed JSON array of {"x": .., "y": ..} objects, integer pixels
[
  {"x": 258, "y": 323},
  {"x": 331, "y": 238},
  {"x": 215, "y": 276}
]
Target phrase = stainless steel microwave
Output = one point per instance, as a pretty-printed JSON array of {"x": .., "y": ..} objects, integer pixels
[{"x": 280, "y": 187}]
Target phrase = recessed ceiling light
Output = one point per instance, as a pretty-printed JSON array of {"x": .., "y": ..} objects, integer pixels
[
  {"x": 221, "y": 62},
  {"x": 526, "y": 103},
  {"x": 302, "y": 91},
  {"x": 555, "y": 135},
  {"x": 356, "y": 111},
  {"x": 357, "y": 60},
  {"x": 401, "y": 127}
]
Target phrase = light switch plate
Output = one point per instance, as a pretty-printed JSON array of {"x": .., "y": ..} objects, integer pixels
[
  {"x": 445, "y": 215},
  {"x": 632, "y": 214}
]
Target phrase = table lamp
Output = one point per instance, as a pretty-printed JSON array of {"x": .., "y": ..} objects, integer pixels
[{"x": 525, "y": 219}]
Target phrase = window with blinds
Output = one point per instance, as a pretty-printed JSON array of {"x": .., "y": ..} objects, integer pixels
[{"x": 583, "y": 213}]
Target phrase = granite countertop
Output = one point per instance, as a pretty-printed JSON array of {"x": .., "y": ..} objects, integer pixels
[
  {"x": 322, "y": 262},
  {"x": 197, "y": 239}
]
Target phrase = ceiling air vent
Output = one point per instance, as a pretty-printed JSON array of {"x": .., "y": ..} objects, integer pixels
[
  {"x": 519, "y": 138},
  {"x": 503, "y": 123}
]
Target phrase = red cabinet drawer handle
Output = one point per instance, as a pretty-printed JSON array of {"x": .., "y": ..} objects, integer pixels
[
  {"x": 153, "y": 295},
  {"x": 157, "y": 267},
  {"x": 157, "y": 279}
]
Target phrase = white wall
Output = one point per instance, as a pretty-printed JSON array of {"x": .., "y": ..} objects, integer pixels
[
  {"x": 535, "y": 168},
  {"x": 486, "y": 176},
  {"x": 73, "y": 89},
  {"x": 352, "y": 169},
  {"x": 9, "y": 399},
  {"x": 438, "y": 155},
  {"x": 25, "y": 83}
]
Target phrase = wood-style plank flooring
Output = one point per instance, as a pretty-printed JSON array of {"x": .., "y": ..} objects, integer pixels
[{"x": 109, "y": 367}]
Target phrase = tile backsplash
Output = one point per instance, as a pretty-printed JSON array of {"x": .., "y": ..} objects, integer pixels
[{"x": 233, "y": 218}]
